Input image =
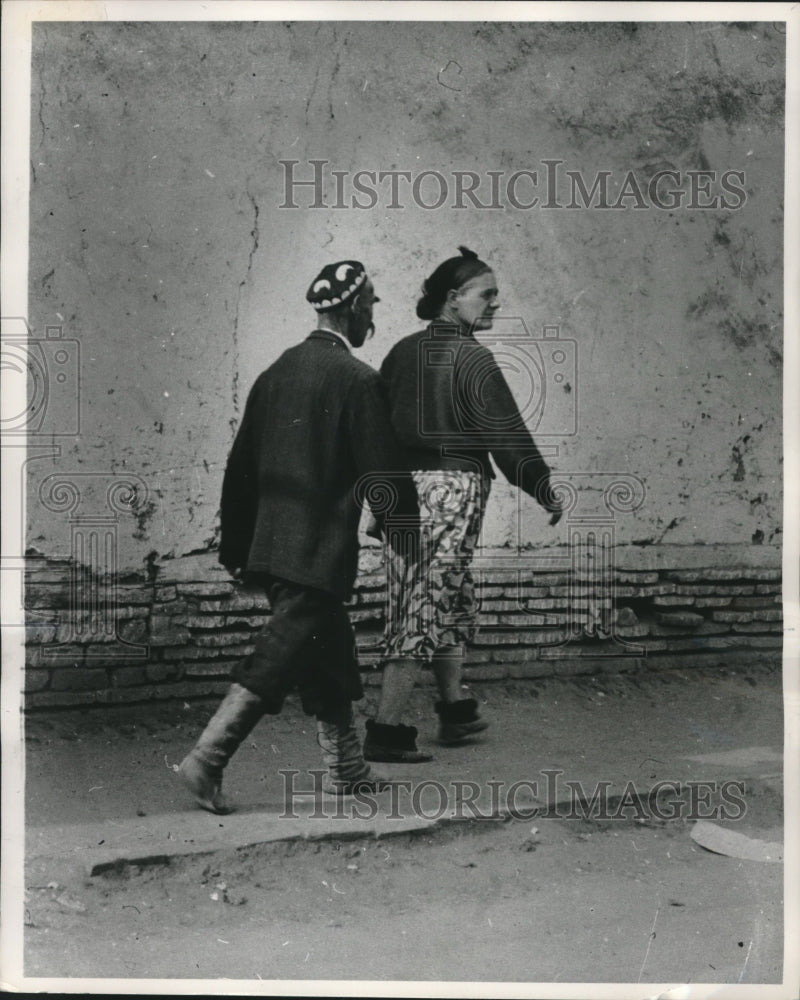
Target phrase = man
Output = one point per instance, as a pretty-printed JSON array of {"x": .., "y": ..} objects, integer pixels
[{"x": 315, "y": 424}]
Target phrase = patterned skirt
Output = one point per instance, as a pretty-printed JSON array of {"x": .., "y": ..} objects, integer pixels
[{"x": 431, "y": 597}]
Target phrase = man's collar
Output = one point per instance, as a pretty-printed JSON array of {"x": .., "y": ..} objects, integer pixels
[{"x": 332, "y": 333}]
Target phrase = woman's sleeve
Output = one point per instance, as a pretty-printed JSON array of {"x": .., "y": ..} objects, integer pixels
[{"x": 519, "y": 460}]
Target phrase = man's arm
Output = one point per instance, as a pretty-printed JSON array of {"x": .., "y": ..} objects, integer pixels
[{"x": 377, "y": 455}]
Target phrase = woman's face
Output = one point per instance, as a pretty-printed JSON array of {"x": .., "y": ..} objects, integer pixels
[{"x": 475, "y": 303}]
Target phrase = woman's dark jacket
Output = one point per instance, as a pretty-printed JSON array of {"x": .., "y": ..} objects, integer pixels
[{"x": 451, "y": 408}]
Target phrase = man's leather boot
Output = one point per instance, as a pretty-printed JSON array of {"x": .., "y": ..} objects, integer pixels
[
  {"x": 201, "y": 770},
  {"x": 341, "y": 753}
]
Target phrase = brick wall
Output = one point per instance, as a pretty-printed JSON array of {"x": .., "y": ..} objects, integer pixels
[{"x": 178, "y": 631}]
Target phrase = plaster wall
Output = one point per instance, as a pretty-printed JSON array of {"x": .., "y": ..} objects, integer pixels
[{"x": 159, "y": 245}]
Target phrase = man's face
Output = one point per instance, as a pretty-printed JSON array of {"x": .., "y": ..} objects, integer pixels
[
  {"x": 361, "y": 325},
  {"x": 476, "y": 302}
]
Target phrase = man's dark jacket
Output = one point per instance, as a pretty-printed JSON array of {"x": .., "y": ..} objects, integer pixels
[{"x": 316, "y": 421}]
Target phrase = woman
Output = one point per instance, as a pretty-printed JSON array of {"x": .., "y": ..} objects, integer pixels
[{"x": 451, "y": 408}]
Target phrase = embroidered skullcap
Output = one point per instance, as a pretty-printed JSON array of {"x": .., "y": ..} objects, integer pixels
[{"x": 335, "y": 284}]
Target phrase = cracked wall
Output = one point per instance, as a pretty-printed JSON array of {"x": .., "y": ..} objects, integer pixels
[{"x": 157, "y": 242}]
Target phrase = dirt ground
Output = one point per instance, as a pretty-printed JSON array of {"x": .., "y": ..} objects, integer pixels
[
  {"x": 116, "y": 763},
  {"x": 577, "y": 901},
  {"x": 492, "y": 901}
]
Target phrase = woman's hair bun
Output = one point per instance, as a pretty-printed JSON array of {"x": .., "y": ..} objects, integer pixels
[
  {"x": 466, "y": 252},
  {"x": 427, "y": 309}
]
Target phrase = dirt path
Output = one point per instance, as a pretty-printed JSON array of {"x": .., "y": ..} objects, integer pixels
[{"x": 486, "y": 902}]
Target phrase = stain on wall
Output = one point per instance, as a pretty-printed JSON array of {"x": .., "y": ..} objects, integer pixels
[{"x": 159, "y": 244}]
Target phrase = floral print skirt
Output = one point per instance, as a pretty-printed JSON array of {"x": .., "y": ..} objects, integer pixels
[{"x": 431, "y": 597}]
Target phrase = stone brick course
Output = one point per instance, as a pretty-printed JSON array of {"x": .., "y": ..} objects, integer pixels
[{"x": 178, "y": 631}]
